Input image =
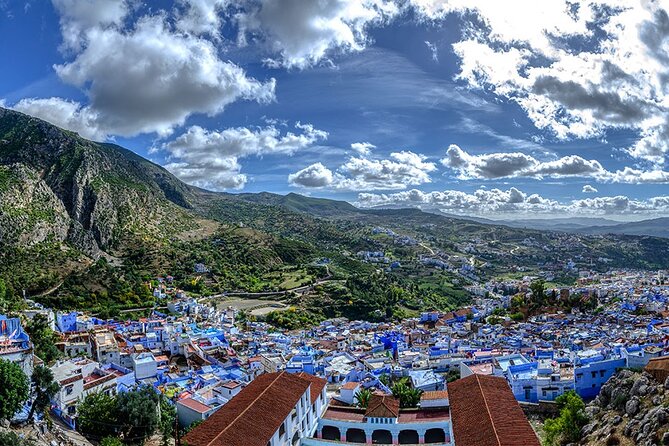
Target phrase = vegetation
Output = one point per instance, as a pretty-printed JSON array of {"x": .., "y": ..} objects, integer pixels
[
  {"x": 11, "y": 439},
  {"x": 293, "y": 318},
  {"x": 14, "y": 389},
  {"x": 43, "y": 338},
  {"x": 9, "y": 300},
  {"x": 566, "y": 428},
  {"x": 407, "y": 395},
  {"x": 44, "y": 388},
  {"x": 453, "y": 374},
  {"x": 362, "y": 398},
  {"x": 131, "y": 416},
  {"x": 155, "y": 225}
]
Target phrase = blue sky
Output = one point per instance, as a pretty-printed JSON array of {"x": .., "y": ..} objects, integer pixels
[{"x": 429, "y": 103}]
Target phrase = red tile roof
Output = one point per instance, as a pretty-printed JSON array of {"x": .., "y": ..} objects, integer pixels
[
  {"x": 350, "y": 385},
  {"x": 435, "y": 395},
  {"x": 485, "y": 413},
  {"x": 253, "y": 416},
  {"x": 383, "y": 406},
  {"x": 317, "y": 385},
  {"x": 195, "y": 405}
]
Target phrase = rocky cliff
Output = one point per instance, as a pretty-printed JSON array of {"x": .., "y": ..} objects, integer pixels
[
  {"x": 56, "y": 186},
  {"x": 631, "y": 409}
]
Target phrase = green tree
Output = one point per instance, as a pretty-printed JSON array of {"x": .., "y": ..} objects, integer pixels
[
  {"x": 362, "y": 398},
  {"x": 8, "y": 298},
  {"x": 43, "y": 338},
  {"x": 168, "y": 414},
  {"x": 11, "y": 439},
  {"x": 566, "y": 428},
  {"x": 44, "y": 389},
  {"x": 14, "y": 389},
  {"x": 97, "y": 415},
  {"x": 453, "y": 374},
  {"x": 408, "y": 396},
  {"x": 111, "y": 441},
  {"x": 538, "y": 290},
  {"x": 138, "y": 414}
]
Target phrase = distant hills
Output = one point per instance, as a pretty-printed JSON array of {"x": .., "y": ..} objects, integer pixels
[
  {"x": 655, "y": 227},
  {"x": 92, "y": 222}
]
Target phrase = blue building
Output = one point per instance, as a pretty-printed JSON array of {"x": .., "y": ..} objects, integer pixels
[{"x": 591, "y": 373}]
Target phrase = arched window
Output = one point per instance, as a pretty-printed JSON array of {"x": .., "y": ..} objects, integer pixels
[
  {"x": 435, "y": 436},
  {"x": 382, "y": 436},
  {"x": 354, "y": 435},
  {"x": 408, "y": 437},
  {"x": 330, "y": 433}
]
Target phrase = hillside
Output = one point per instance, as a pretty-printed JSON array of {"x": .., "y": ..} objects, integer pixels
[
  {"x": 631, "y": 409},
  {"x": 90, "y": 225},
  {"x": 657, "y": 227}
]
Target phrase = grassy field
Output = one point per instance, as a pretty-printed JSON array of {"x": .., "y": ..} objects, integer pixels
[{"x": 288, "y": 278}]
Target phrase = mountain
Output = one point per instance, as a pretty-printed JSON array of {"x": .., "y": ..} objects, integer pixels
[
  {"x": 559, "y": 224},
  {"x": 299, "y": 203},
  {"x": 88, "y": 225},
  {"x": 656, "y": 227},
  {"x": 55, "y": 185}
]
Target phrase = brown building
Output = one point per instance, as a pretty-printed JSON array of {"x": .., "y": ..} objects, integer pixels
[
  {"x": 484, "y": 412},
  {"x": 659, "y": 368},
  {"x": 275, "y": 409}
]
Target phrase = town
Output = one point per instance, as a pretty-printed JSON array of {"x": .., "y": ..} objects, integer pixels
[{"x": 233, "y": 379}]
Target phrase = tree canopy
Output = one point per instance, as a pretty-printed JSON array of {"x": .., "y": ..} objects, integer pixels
[
  {"x": 14, "y": 389},
  {"x": 566, "y": 427},
  {"x": 131, "y": 416},
  {"x": 44, "y": 388}
]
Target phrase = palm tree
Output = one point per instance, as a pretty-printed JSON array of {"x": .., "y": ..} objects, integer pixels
[
  {"x": 44, "y": 389},
  {"x": 362, "y": 398},
  {"x": 408, "y": 396}
]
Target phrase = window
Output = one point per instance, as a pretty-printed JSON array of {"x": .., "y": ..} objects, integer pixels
[
  {"x": 601, "y": 373},
  {"x": 543, "y": 392},
  {"x": 69, "y": 390},
  {"x": 594, "y": 374}
]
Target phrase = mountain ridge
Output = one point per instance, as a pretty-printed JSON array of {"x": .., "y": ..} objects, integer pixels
[{"x": 95, "y": 222}]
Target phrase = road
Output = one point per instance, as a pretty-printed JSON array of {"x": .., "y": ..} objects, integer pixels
[
  {"x": 299, "y": 289},
  {"x": 427, "y": 247}
]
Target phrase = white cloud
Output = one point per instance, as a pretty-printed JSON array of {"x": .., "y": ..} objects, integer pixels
[
  {"x": 516, "y": 164},
  {"x": 202, "y": 16},
  {"x": 434, "y": 50},
  {"x": 363, "y": 148},
  {"x": 496, "y": 202},
  {"x": 314, "y": 176},
  {"x": 578, "y": 69},
  {"x": 588, "y": 189},
  {"x": 77, "y": 17},
  {"x": 304, "y": 33},
  {"x": 144, "y": 73},
  {"x": 403, "y": 169},
  {"x": 66, "y": 114},
  {"x": 210, "y": 159}
]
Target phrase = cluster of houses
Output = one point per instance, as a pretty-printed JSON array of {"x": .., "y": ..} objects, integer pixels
[{"x": 301, "y": 386}]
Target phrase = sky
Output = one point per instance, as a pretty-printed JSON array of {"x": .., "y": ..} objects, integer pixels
[{"x": 487, "y": 108}]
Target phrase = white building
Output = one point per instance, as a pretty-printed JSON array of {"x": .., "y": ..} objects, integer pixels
[
  {"x": 144, "y": 365},
  {"x": 77, "y": 378},
  {"x": 275, "y": 409}
]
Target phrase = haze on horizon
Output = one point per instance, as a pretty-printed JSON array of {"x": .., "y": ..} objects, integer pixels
[{"x": 517, "y": 109}]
